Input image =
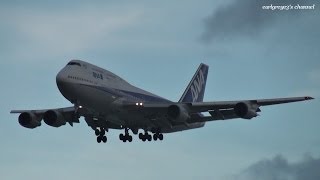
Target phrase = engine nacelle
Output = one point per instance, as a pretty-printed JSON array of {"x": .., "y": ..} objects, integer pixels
[
  {"x": 246, "y": 110},
  {"x": 178, "y": 113},
  {"x": 54, "y": 118},
  {"x": 29, "y": 120}
]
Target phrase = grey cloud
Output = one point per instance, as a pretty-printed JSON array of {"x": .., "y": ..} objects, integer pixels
[
  {"x": 246, "y": 17},
  {"x": 279, "y": 168}
]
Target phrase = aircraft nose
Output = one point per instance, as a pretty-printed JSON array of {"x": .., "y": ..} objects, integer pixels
[
  {"x": 60, "y": 78},
  {"x": 64, "y": 86}
]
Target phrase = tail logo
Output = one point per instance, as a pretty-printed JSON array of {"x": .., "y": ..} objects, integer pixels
[{"x": 197, "y": 85}]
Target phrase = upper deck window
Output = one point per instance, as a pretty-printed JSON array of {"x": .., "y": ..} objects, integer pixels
[{"x": 74, "y": 63}]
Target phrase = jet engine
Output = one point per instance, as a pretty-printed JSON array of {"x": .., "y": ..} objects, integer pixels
[
  {"x": 29, "y": 120},
  {"x": 54, "y": 118},
  {"x": 246, "y": 110},
  {"x": 178, "y": 113}
]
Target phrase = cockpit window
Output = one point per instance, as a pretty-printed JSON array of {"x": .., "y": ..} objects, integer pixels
[{"x": 74, "y": 63}]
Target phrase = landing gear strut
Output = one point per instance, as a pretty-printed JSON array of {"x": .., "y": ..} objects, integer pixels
[
  {"x": 126, "y": 136},
  {"x": 101, "y": 135}
]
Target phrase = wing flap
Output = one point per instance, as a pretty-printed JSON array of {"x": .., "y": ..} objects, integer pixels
[{"x": 223, "y": 114}]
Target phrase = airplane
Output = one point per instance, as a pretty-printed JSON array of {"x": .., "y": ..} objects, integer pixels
[{"x": 106, "y": 101}]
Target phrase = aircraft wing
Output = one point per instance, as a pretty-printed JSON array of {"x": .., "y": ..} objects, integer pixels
[
  {"x": 218, "y": 110},
  {"x": 32, "y": 118},
  {"x": 42, "y": 111},
  {"x": 207, "y": 106}
]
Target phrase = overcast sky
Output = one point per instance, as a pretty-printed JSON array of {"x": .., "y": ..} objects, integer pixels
[{"x": 252, "y": 53}]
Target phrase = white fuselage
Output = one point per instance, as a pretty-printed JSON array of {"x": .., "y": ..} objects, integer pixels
[{"x": 104, "y": 92}]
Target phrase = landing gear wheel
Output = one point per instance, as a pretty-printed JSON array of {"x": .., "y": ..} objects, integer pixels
[
  {"x": 104, "y": 139},
  {"x": 149, "y": 137},
  {"x": 141, "y": 136},
  {"x": 102, "y": 132},
  {"x": 160, "y": 136},
  {"x": 155, "y": 137},
  {"x": 99, "y": 139},
  {"x": 130, "y": 138},
  {"x": 121, "y": 137},
  {"x": 97, "y": 132}
]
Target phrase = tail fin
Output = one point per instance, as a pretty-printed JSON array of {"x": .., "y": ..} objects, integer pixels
[{"x": 196, "y": 88}]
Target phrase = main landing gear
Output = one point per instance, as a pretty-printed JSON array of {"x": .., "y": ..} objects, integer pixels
[
  {"x": 157, "y": 136},
  {"x": 125, "y": 137},
  {"x": 146, "y": 136},
  {"x": 101, "y": 137}
]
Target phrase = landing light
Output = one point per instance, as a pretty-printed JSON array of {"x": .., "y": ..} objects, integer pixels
[
  {"x": 137, "y": 104},
  {"x": 80, "y": 107},
  {"x": 141, "y": 104}
]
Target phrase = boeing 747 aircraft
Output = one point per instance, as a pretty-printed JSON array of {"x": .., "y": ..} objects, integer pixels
[{"x": 106, "y": 101}]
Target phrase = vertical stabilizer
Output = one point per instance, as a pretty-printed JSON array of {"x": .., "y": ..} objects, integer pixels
[{"x": 196, "y": 88}]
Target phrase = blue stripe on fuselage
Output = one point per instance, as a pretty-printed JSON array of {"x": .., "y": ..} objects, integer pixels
[
  {"x": 133, "y": 96},
  {"x": 145, "y": 97}
]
